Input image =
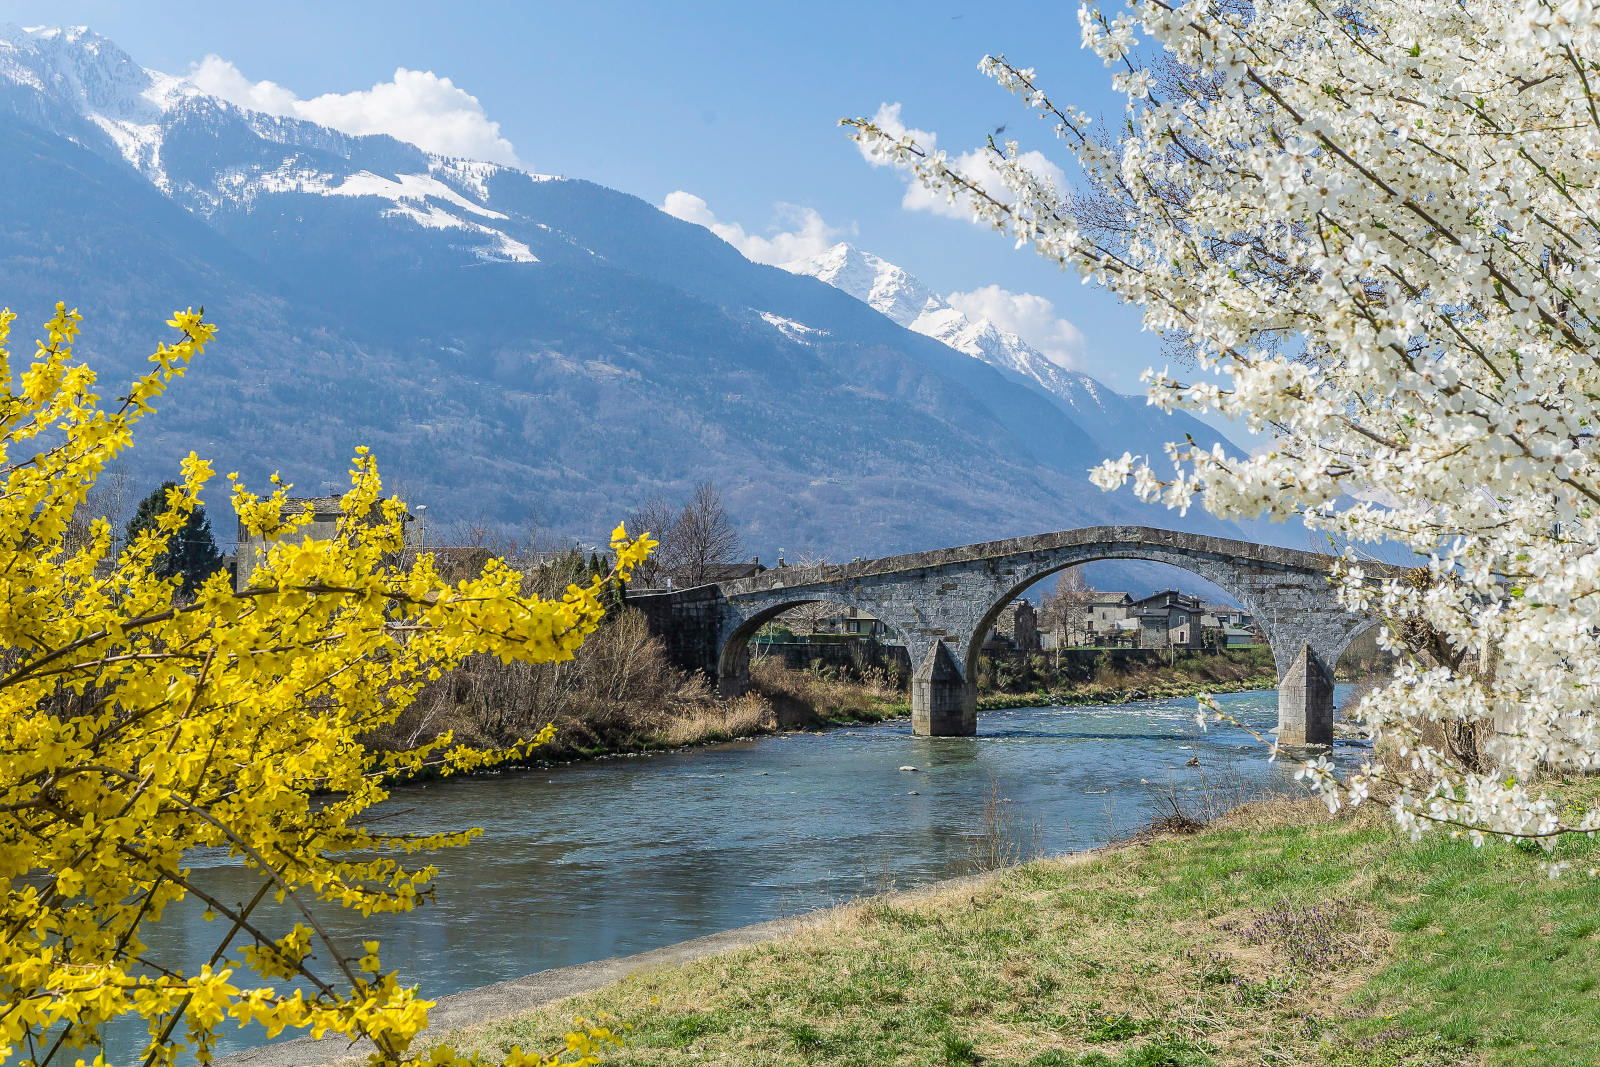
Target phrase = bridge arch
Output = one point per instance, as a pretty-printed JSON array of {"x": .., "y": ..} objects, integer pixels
[
  {"x": 733, "y": 654},
  {"x": 1295, "y": 608},
  {"x": 1217, "y": 572},
  {"x": 1366, "y": 626}
]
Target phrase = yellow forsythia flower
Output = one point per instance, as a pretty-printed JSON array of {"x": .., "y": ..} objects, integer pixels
[{"x": 136, "y": 726}]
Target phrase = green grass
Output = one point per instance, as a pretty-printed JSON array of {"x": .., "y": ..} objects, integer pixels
[
  {"x": 1111, "y": 694},
  {"x": 1004, "y": 683},
  {"x": 1183, "y": 952}
]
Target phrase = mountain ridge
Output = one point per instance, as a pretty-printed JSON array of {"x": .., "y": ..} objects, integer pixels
[
  {"x": 512, "y": 345},
  {"x": 899, "y": 295}
]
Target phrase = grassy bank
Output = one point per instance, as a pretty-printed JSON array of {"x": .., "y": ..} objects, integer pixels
[
  {"x": 815, "y": 698},
  {"x": 1014, "y": 682},
  {"x": 1277, "y": 935},
  {"x": 1097, "y": 694}
]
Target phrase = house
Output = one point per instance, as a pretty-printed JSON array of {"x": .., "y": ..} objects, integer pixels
[
  {"x": 1222, "y": 616},
  {"x": 1107, "y": 611},
  {"x": 325, "y": 515},
  {"x": 856, "y": 623},
  {"x": 831, "y": 620},
  {"x": 1168, "y": 619},
  {"x": 719, "y": 573},
  {"x": 684, "y": 578},
  {"x": 1016, "y": 627},
  {"x": 1234, "y": 637}
]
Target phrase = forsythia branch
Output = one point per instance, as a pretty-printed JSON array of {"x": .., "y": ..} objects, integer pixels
[{"x": 136, "y": 725}]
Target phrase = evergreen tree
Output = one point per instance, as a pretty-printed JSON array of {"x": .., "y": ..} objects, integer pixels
[{"x": 192, "y": 551}]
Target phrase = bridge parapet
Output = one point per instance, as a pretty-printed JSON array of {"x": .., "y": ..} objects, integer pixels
[{"x": 1177, "y": 540}]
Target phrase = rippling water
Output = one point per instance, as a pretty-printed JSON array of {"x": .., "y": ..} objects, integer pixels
[{"x": 617, "y": 856}]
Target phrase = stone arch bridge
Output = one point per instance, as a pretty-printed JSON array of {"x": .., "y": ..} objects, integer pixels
[{"x": 942, "y": 604}]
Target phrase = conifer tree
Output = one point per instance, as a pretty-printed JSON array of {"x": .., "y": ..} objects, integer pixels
[{"x": 192, "y": 553}]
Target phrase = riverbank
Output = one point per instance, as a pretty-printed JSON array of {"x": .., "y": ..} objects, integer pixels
[
  {"x": 609, "y": 858},
  {"x": 1115, "y": 676},
  {"x": 620, "y": 697},
  {"x": 782, "y": 700},
  {"x": 821, "y": 698},
  {"x": 1111, "y": 694},
  {"x": 1278, "y": 934}
]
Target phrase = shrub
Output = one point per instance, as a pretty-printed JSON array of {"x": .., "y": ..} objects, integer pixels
[{"x": 137, "y": 725}]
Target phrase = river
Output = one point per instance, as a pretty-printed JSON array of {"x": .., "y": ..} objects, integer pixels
[{"x": 615, "y": 856}]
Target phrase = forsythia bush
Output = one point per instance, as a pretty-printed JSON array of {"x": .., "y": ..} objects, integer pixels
[{"x": 136, "y": 725}]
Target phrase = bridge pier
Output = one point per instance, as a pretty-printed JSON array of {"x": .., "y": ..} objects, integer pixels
[
  {"x": 943, "y": 702},
  {"x": 1305, "y": 702}
]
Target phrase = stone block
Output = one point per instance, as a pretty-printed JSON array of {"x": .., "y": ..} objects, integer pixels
[
  {"x": 1305, "y": 703},
  {"x": 943, "y": 704}
]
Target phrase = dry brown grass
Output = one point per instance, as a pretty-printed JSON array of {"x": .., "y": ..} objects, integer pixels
[
  {"x": 617, "y": 694},
  {"x": 723, "y": 720},
  {"x": 809, "y": 698}
]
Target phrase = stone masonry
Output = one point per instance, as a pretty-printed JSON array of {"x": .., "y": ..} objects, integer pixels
[{"x": 942, "y": 604}]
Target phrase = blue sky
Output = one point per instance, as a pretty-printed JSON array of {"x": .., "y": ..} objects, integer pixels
[{"x": 734, "y": 103}]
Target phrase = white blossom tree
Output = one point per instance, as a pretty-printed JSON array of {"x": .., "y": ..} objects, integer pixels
[{"x": 1375, "y": 227}]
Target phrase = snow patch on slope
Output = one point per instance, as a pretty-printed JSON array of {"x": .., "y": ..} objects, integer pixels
[
  {"x": 797, "y": 331},
  {"x": 1116, "y": 421},
  {"x": 92, "y": 76},
  {"x": 403, "y": 187}
]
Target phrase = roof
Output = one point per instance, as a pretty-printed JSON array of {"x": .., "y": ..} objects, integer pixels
[
  {"x": 1111, "y": 598},
  {"x": 723, "y": 572},
  {"x": 1171, "y": 598},
  {"x": 1161, "y": 611}
]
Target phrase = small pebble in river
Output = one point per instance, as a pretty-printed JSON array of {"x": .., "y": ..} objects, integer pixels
[
  {"x": 912, "y": 793},
  {"x": 908, "y": 767}
]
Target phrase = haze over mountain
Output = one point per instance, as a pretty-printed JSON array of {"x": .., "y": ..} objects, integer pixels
[
  {"x": 1107, "y": 416},
  {"x": 515, "y": 346}
]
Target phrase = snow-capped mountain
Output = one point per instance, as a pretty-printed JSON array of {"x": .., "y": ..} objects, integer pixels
[
  {"x": 1106, "y": 414},
  {"x": 509, "y": 344},
  {"x": 138, "y": 111}
]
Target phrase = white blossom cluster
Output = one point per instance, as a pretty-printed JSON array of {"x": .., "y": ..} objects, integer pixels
[{"x": 1377, "y": 227}]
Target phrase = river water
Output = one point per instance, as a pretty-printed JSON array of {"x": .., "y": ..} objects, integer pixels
[{"x": 616, "y": 856}]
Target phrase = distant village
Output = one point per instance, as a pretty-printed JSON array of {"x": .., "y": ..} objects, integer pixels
[{"x": 1169, "y": 619}]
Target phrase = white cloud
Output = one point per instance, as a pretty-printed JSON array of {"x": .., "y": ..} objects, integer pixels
[
  {"x": 889, "y": 121},
  {"x": 974, "y": 165},
  {"x": 806, "y": 236},
  {"x": 416, "y": 106},
  {"x": 1028, "y": 315}
]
